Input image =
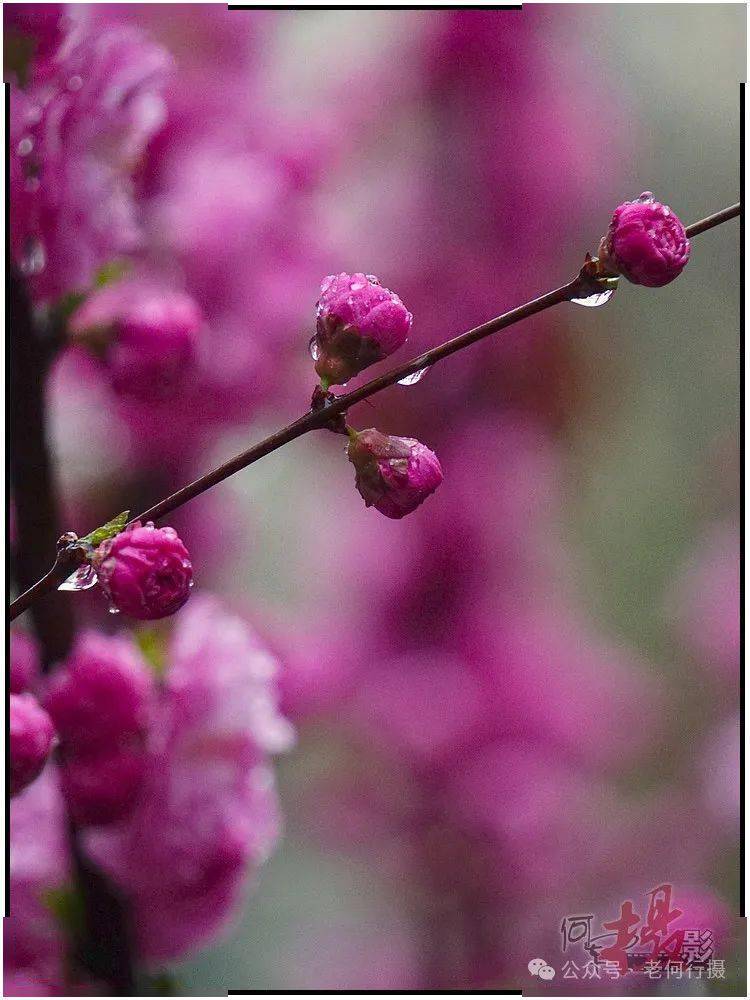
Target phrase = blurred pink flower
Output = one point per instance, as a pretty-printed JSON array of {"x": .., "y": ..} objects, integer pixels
[
  {"x": 718, "y": 769},
  {"x": 103, "y": 694},
  {"x": 77, "y": 132},
  {"x": 31, "y": 737},
  {"x": 34, "y": 943},
  {"x": 146, "y": 333},
  {"x": 209, "y": 789},
  {"x": 24, "y": 661},
  {"x": 703, "y": 605}
]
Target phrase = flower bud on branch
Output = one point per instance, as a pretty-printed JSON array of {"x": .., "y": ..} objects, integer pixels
[
  {"x": 393, "y": 474},
  {"x": 656, "y": 257}
]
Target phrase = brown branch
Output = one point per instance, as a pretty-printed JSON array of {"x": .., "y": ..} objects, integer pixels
[{"x": 317, "y": 418}]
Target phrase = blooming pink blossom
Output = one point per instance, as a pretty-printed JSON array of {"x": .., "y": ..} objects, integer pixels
[
  {"x": 102, "y": 701},
  {"x": 145, "y": 571},
  {"x": 208, "y": 791},
  {"x": 646, "y": 242},
  {"x": 100, "y": 787},
  {"x": 393, "y": 474},
  {"x": 146, "y": 333},
  {"x": 24, "y": 661},
  {"x": 103, "y": 694},
  {"x": 31, "y": 737},
  {"x": 359, "y": 322}
]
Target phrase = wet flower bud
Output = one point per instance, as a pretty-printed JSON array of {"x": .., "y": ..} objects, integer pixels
[
  {"x": 102, "y": 788},
  {"x": 147, "y": 335},
  {"x": 102, "y": 694},
  {"x": 394, "y": 474},
  {"x": 359, "y": 323},
  {"x": 145, "y": 571},
  {"x": 646, "y": 243},
  {"x": 31, "y": 737}
]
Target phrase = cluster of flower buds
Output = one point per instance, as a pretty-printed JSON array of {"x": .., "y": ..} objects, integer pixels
[
  {"x": 147, "y": 336},
  {"x": 646, "y": 243},
  {"x": 359, "y": 322},
  {"x": 100, "y": 702}
]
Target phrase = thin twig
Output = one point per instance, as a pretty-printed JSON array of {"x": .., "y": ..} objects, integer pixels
[{"x": 583, "y": 284}]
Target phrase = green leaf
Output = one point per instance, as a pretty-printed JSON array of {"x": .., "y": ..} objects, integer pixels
[
  {"x": 112, "y": 271},
  {"x": 152, "y": 643},
  {"x": 160, "y": 984},
  {"x": 66, "y": 905},
  {"x": 108, "y": 530}
]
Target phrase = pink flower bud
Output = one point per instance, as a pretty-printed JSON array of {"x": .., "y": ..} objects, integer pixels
[
  {"x": 147, "y": 334},
  {"x": 359, "y": 323},
  {"x": 31, "y": 736},
  {"x": 102, "y": 695},
  {"x": 102, "y": 788},
  {"x": 394, "y": 474},
  {"x": 24, "y": 661},
  {"x": 145, "y": 572},
  {"x": 646, "y": 243}
]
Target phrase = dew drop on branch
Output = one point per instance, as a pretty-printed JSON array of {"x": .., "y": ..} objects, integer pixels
[
  {"x": 84, "y": 578},
  {"x": 597, "y": 299},
  {"x": 414, "y": 377}
]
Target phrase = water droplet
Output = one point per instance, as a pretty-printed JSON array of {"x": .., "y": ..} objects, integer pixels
[
  {"x": 84, "y": 578},
  {"x": 646, "y": 196},
  {"x": 25, "y": 146},
  {"x": 414, "y": 377},
  {"x": 75, "y": 83},
  {"x": 373, "y": 279},
  {"x": 35, "y": 259},
  {"x": 113, "y": 610},
  {"x": 597, "y": 299},
  {"x": 314, "y": 347}
]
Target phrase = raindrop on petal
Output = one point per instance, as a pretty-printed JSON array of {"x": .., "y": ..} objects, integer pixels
[
  {"x": 84, "y": 578},
  {"x": 314, "y": 347},
  {"x": 414, "y": 377},
  {"x": 597, "y": 299},
  {"x": 25, "y": 145}
]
